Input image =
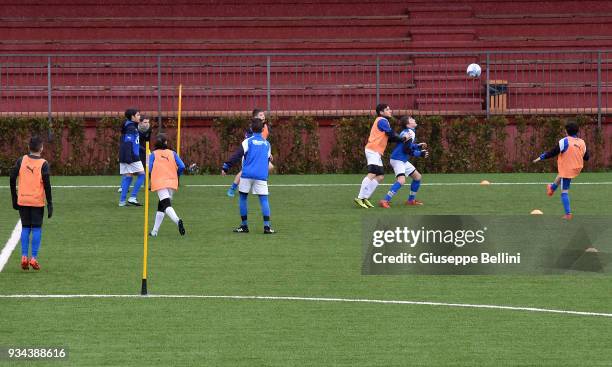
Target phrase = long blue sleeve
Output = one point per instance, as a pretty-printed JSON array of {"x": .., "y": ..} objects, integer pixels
[
  {"x": 129, "y": 149},
  {"x": 179, "y": 163},
  {"x": 383, "y": 125},
  {"x": 151, "y": 161},
  {"x": 561, "y": 147},
  {"x": 235, "y": 158}
]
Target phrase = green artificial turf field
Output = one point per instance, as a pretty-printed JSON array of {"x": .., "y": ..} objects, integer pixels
[{"x": 93, "y": 247}]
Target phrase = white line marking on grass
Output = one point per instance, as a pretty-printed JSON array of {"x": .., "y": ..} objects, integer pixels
[
  {"x": 312, "y": 299},
  {"x": 334, "y": 184},
  {"x": 10, "y": 245}
]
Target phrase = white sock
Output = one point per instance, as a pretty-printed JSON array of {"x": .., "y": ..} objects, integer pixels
[
  {"x": 172, "y": 214},
  {"x": 372, "y": 185},
  {"x": 159, "y": 217},
  {"x": 363, "y": 190}
]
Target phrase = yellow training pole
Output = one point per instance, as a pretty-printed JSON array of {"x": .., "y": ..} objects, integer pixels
[
  {"x": 178, "y": 131},
  {"x": 143, "y": 290}
]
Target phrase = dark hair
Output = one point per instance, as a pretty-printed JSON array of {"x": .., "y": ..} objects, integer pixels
[
  {"x": 256, "y": 112},
  {"x": 257, "y": 125},
  {"x": 380, "y": 108},
  {"x": 404, "y": 120},
  {"x": 35, "y": 144},
  {"x": 572, "y": 128},
  {"x": 131, "y": 112},
  {"x": 161, "y": 141}
]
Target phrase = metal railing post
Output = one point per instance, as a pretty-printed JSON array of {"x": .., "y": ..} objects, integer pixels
[
  {"x": 377, "y": 80},
  {"x": 488, "y": 101},
  {"x": 159, "y": 94},
  {"x": 49, "y": 111},
  {"x": 599, "y": 90},
  {"x": 268, "y": 84}
]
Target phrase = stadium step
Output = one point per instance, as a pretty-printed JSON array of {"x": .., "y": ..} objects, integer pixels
[
  {"x": 561, "y": 26},
  {"x": 205, "y": 28},
  {"x": 230, "y": 8},
  {"x": 206, "y": 45},
  {"x": 524, "y": 8},
  {"x": 450, "y": 104},
  {"x": 547, "y": 38},
  {"x": 509, "y": 44},
  {"x": 441, "y": 34},
  {"x": 443, "y": 11}
]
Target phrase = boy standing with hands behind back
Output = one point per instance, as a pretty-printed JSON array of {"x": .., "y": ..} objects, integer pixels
[{"x": 34, "y": 187}]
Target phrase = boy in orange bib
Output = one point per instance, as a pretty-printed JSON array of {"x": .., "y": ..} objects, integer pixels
[
  {"x": 380, "y": 134},
  {"x": 34, "y": 187},
  {"x": 571, "y": 153},
  {"x": 165, "y": 167}
]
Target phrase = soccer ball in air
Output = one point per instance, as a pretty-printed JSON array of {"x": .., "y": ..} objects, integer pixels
[
  {"x": 473, "y": 70},
  {"x": 407, "y": 135}
]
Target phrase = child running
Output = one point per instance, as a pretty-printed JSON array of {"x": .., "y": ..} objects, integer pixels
[{"x": 166, "y": 166}]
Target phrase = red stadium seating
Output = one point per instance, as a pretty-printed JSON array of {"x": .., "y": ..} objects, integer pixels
[{"x": 417, "y": 81}]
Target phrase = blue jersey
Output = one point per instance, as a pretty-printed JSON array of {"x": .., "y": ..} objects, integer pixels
[
  {"x": 403, "y": 150},
  {"x": 257, "y": 153},
  {"x": 129, "y": 148}
]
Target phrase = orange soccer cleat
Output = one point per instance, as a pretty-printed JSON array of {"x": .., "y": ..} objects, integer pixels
[
  {"x": 414, "y": 202},
  {"x": 384, "y": 204},
  {"x": 34, "y": 264},
  {"x": 568, "y": 216},
  {"x": 24, "y": 263},
  {"x": 549, "y": 190}
]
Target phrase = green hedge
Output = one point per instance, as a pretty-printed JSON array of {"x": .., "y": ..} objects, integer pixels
[
  {"x": 66, "y": 147},
  {"x": 462, "y": 144}
]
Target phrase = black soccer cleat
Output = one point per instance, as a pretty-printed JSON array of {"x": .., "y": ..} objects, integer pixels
[
  {"x": 181, "y": 227},
  {"x": 268, "y": 230},
  {"x": 242, "y": 229}
]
